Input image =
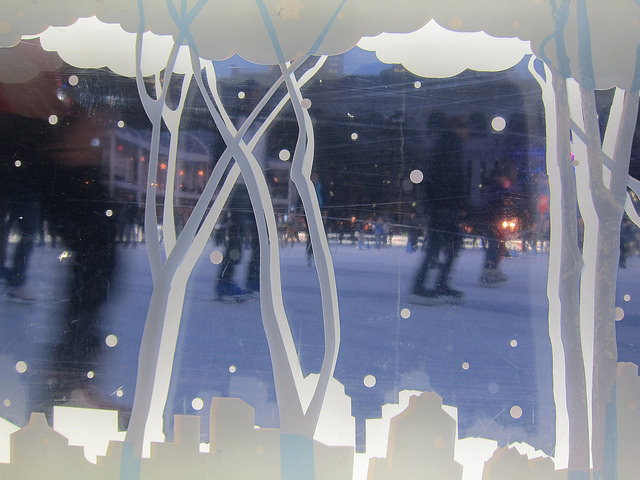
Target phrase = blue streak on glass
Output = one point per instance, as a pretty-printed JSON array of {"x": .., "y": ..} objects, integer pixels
[
  {"x": 184, "y": 21},
  {"x": 141, "y": 10},
  {"x": 271, "y": 29},
  {"x": 325, "y": 30},
  {"x": 635, "y": 84},
  {"x": 296, "y": 457},
  {"x": 560, "y": 17},
  {"x": 543, "y": 55},
  {"x": 585, "y": 56},
  {"x": 129, "y": 463}
]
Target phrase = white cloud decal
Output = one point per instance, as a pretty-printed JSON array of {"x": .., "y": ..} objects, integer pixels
[
  {"x": 422, "y": 52},
  {"x": 89, "y": 43}
]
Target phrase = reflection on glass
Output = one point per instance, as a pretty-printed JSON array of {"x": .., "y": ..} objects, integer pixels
[{"x": 445, "y": 233}]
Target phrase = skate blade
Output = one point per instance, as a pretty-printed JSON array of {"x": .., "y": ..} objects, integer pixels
[
  {"x": 235, "y": 299},
  {"x": 429, "y": 301},
  {"x": 492, "y": 284},
  {"x": 20, "y": 300},
  {"x": 453, "y": 300}
]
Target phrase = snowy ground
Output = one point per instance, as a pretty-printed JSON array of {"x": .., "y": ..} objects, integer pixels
[{"x": 484, "y": 356}]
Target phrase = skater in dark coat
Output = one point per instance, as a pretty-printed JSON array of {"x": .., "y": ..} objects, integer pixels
[{"x": 445, "y": 188}]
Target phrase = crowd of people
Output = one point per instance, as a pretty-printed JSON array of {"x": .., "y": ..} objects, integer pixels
[{"x": 56, "y": 190}]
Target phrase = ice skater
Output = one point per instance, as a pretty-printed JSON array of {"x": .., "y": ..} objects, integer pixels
[
  {"x": 240, "y": 224},
  {"x": 446, "y": 192}
]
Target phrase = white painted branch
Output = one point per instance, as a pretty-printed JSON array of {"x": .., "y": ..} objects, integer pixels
[
  {"x": 163, "y": 362},
  {"x": 585, "y": 178},
  {"x": 201, "y": 205},
  {"x": 611, "y": 134},
  {"x": 300, "y": 174},
  {"x": 199, "y": 210},
  {"x": 153, "y": 110},
  {"x": 160, "y": 340},
  {"x": 166, "y": 302},
  {"x": 632, "y": 183},
  {"x": 213, "y": 89},
  {"x": 601, "y": 210},
  {"x": 584, "y": 115},
  {"x": 203, "y": 235},
  {"x": 157, "y": 86},
  {"x": 150, "y": 105},
  {"x": 610, "y": 216},
  {"x": 572, "y": 441},
  {"x": 172, "y": 121},
  {"x": 286, "y": 368}
]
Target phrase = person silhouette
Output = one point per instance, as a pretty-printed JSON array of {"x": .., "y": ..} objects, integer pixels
[
  {"x": 497, "y": 189},
  {"x": 20, "y": 206},
  {"x": 240, "y": 226},
  {"x": 445, "y": 189}
]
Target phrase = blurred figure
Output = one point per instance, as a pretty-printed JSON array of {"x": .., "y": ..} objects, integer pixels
[
  {"x": 308, "y": 248},
  {"x": 85, "y": 218},
  {"x": 240, "y": 224},
  {"x": 317, "y": 185},
  {"x": 626, "y": 240},
  {"x": 497, "y": 189},
  {"x": 540, "y": 228},
  {"x": 415, "y": 229},
  {"x": 127, "y": 223},
  {"x": 21, "y": 168},
  {"x": 19, "y": 213},
  {"x": 44, "y": 229},
  {"x": 51, "y": 148},
  {"x": 446, "y": 193},
  {"x": 282, "y": 229},
  {"x": 292, "y": 226},
  {"x": 380, "y": 231},
  {"x": 341, "y": 229},
  {"x": 360, "y": 233}
]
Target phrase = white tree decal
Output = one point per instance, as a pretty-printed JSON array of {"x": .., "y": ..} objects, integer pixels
[
  {"x": 203, "y": 28},
  {"x": 585, "y": 45},
  {"x": 581, "y": 285}
]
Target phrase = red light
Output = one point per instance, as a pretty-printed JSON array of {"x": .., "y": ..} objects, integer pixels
[
  {"x": 120, "y": 148},
  {"x": 200, "y": 172},
  {"x": 163, "y": 166}
]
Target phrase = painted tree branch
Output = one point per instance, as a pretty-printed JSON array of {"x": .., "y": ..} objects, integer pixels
[
  {"x": 172, "y": 121},
  {"x": 163, "y": 319},
  {"x": 300, "y": 174},
  {"x": 565, "y": 264},
  {"x": 601, "y": 207}
]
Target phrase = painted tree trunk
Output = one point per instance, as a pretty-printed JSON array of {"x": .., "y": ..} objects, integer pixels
[
  {"x": 565, "y": 264},
  {"x": 602, "y": 195},
  {"x": 294, "y": 424},
  {"x": 297, "y": 450},
  {"x": 170, "y": 278},
  {"x": 300, "y": 175},
  {"x": 152, "y": 390}
]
